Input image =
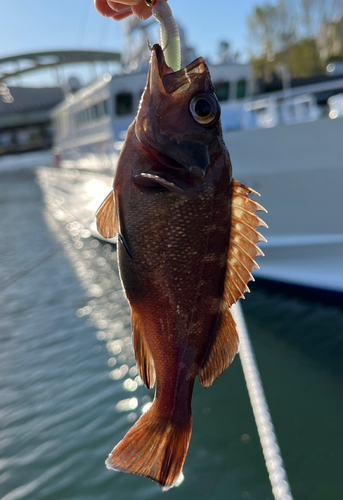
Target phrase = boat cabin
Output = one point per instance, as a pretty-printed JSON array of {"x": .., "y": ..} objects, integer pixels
[{"x": 90, "y": 126}]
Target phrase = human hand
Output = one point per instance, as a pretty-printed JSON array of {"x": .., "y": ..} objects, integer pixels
[{"x": 120, "y": 9}]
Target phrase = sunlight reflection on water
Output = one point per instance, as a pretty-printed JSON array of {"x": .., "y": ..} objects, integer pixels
[{"x": 106, "y": 309}]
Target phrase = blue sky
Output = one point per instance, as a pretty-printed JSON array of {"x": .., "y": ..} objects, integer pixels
[{"x": 36, "y": 25}]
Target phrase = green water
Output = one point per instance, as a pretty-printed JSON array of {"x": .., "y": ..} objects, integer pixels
[{"x": 69, "y": 388}]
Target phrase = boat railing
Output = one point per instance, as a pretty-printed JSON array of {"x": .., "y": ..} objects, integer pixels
[
  {"x": 288, "y": 107},
  {"x": 299, "y": 109},
  {"x": 262, "y": 113},
  {"x": 270, "y": 112},
  {"x": 335, "y": 106},
  {"x": 232, "y": 116}
]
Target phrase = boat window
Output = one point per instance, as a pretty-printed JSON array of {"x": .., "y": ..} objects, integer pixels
[
  {"x": 58, "y": 126},
  {"x": 91, "y": 113},
  {"x": 222, "y": 90},
  {"x": 82, "y": 117},
  {"x": 241, "y": 88},
  {"x": 124, "y": 103},
  {"x": 106, "y": 107},
  {"x": 79, "y": 118},
  {"x": 64, "y": 124},
  {"x": 94, "y": 112}
]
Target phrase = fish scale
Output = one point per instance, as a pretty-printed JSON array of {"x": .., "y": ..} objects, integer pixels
[{"x": 177, "y": 263}]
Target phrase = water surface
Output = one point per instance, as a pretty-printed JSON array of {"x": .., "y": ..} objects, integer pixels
[{"x": 69, "y": 388}]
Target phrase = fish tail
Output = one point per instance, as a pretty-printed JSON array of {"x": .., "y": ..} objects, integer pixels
[{"x": 155, "y": 447}]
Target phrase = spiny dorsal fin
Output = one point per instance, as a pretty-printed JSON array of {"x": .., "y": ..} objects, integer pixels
[
  {"x": 143, "y": 355},
  {"x": 223, "y": 350},
  {"x": 106, "y": 217},
  {"x": 243, "y": 242}
]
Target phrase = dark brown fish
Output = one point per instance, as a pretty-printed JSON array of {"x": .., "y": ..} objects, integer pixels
[{"x": 186, "y": 243}]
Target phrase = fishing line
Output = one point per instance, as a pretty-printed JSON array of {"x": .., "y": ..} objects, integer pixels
[{"x": 270, "y": 447}]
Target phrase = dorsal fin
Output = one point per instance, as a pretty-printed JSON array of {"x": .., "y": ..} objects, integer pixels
[
  {"x": 223, "y": 350},
  {"x": 243, "y": 247},
  {"x": 106, "y": 217},
  {"x": 143, "y": 355},
  {"x": 243, "y": 250}
]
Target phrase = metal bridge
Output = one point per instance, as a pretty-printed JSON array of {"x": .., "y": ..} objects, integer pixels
[
  {"x": 24, "y": 63},
  {"x": 25, "y": 111}
]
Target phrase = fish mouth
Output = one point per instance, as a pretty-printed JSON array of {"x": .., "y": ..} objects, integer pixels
[
  {"x": 175, "y": 81},
  {"x": 158, "y": 64},
  {"x": 164, "y": 124}
]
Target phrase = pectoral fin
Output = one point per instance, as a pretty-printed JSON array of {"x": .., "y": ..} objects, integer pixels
[
  {"x": 148, "y": 180},
  {"x": 106, "y": 217},
  {"x": 143, "y": 355},
  {"x": 244, "y": 238},
  {"x": 223, "y": 350}
]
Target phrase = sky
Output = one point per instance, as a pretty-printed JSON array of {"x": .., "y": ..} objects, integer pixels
[{"x": 38, "y": 25}]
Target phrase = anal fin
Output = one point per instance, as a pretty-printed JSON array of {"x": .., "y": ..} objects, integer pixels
[
  {"x": 143, "y": 355},
  {"x": 223, "y": 350},
  {"x": 106, "y": 217}
]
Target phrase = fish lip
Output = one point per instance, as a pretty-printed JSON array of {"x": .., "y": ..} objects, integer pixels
[{"x": 159, "y": 62}]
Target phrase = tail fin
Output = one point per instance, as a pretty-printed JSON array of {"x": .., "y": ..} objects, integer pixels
[{"x": 154, "y": 447}]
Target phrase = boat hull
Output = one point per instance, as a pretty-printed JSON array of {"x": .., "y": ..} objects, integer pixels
[{"x": 298, "y": 170}]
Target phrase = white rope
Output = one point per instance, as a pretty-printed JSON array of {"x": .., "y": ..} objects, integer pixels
[{"x": 271, "y": 451}]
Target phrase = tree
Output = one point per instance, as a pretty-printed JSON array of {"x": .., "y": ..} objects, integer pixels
[
  {"x": 287, "y": 33},
  {"x": 272, "y": 29}
]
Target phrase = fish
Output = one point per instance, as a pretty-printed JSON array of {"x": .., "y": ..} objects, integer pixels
[{"x": 187, "y": 243}]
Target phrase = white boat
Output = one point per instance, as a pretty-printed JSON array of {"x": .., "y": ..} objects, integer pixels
[
  {"x": 283, "y": 145},
  {"x": 298, "y": 169}
]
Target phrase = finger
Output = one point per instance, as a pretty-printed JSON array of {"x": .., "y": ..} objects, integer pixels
[
  {"x": 103, "y": 8},
  {"x": 121, "y": 15},
  {"x": 121, "y": 10},
  {"x": 127, "y": 2},
  {"x": 118, "y": 6},
  {"x": 142, "y": 11}
]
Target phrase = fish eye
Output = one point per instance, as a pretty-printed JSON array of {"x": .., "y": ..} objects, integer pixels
[{"x": 204, "y": 108}]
